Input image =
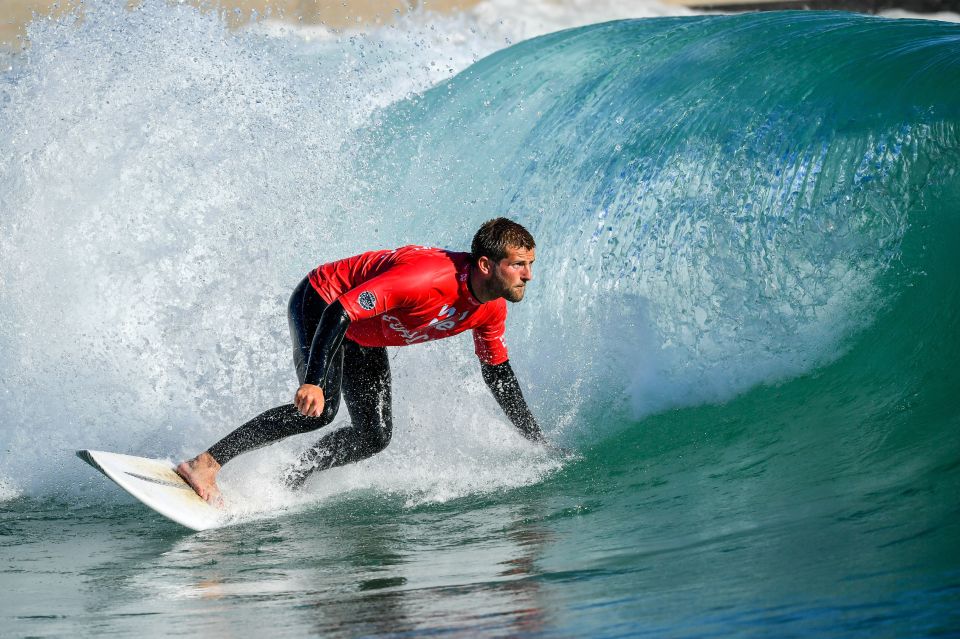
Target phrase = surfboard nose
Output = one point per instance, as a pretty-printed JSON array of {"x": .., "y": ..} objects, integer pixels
[
  {"x": 155, "y": 484},
  {"x": 86, "y": 456}
]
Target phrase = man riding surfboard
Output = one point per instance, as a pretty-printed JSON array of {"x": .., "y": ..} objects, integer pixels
[{"x": 342, "y": 317}]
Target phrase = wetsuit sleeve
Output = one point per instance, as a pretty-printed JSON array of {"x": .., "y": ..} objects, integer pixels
[
  {"x": 396, "y": 288},
  {"x": 506, "y": 389},
  {"x": 488, "y": 339},
  {"x": 326, "y": 340}
]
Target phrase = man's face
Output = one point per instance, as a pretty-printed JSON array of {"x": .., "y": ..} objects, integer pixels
[{"x": 511, "y": 274}]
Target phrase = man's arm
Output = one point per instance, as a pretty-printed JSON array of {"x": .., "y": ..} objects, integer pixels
[
  {"x": 332, "y": 327},
  {"x": 506, "y": 389}
]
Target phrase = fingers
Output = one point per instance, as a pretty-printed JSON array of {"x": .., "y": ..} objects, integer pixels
[
  {"x": 300, "y": 400},
  {"x": 317, "y": 405},
  {"x": 309, "y": 400},
  {"x": 314, "y": 406}
]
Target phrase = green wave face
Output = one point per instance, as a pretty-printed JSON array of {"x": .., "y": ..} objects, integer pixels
[
  {"x": 720, "y": 202},
  {"x": 729, "y": 194},
  {"x": 747, "y": 233}
]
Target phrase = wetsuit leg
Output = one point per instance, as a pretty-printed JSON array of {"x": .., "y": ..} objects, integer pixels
[
  {"x": 304, "y": 312},
  {"x": 366, "y": 391}
]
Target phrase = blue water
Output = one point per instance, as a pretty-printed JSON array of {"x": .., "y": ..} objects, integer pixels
[{"x": 744, "y": 320}]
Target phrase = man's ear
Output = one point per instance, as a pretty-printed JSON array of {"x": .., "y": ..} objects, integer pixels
[{"x": 485, "y": 265}]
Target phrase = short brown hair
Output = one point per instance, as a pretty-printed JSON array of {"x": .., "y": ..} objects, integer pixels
[{"x": 496, "y": 235}]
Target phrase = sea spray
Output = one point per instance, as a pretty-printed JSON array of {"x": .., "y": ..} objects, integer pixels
[{"x": 167, "y": 185}]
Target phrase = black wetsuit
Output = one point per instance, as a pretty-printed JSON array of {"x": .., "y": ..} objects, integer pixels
[{"x": 323, "y": 356}]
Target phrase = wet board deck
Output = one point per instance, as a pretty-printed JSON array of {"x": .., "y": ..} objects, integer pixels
[{"x": 156, "y": 485}]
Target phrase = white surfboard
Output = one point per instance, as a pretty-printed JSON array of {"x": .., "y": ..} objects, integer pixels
[{"x": 154, "y": 482}]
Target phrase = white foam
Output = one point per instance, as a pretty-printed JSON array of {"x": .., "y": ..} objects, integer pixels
[
  {"x": 7, "y": 490},
  {"x": 942, "y": 16},
  {"x": 450, "y": 441},
  {"x": 519, "y": 20}
]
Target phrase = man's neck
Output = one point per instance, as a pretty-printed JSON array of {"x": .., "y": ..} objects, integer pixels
[{"x": 475, "y": 284}]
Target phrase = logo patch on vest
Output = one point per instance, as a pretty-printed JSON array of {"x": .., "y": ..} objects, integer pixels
[{"x": 367, "y": 300}]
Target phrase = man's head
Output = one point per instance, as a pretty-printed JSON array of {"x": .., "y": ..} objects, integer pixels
[{"x": 503, "y": 253}]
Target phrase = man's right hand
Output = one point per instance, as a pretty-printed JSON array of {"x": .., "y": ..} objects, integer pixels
[{"x": 309, "y": 400}]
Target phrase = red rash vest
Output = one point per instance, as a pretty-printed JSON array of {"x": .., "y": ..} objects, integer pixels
[{"x": 412, "y": 294}]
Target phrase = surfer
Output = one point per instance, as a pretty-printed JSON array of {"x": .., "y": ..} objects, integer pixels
[{"x": 342, "y": 317}]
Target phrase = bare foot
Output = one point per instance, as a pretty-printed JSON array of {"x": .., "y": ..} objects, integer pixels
[{"x": 201, "y": 473}]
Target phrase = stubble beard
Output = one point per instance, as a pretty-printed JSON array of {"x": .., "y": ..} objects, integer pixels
[
  {"x": 510, "y": 293},
  {"x": 514, "y": 294}
]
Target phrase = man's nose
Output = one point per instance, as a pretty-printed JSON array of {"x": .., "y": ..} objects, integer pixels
[{"x": 527, "y": 273}]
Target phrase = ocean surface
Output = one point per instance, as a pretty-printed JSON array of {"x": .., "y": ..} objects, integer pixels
[{"x": 745, "y": 322}]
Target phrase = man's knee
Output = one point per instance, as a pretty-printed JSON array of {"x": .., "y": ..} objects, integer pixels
[
  {"x": 303, "y": 424},
  {"x": 376, "y": 439},
  {"x": 329, "y": 410}
]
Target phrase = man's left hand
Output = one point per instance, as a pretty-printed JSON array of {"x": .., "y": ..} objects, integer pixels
[{"x": 309, "y": 400}]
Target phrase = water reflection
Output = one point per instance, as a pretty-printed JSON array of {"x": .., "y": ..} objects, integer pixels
[
  {"x": 423, "y": 575},
  {"x": 335, "y": 572}
]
